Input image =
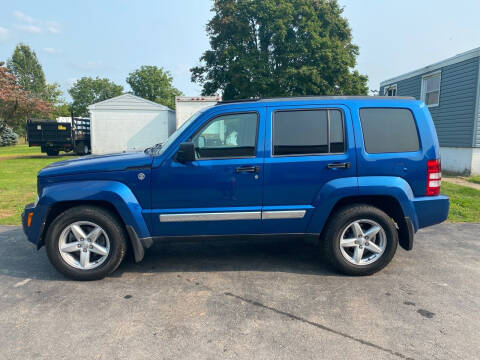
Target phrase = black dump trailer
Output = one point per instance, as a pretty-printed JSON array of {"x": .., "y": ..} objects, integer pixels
[{"x": 54, "y": 136}]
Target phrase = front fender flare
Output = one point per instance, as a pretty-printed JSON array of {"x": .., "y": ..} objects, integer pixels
[{"x": 115, "y": 193}]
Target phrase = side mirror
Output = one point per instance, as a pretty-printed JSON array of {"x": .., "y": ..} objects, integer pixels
[
  {"x": 186, "y": 152},
  {"x": 201, "y": 142}
]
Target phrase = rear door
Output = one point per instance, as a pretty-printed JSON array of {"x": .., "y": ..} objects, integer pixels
[{"x": 307, "y": 146}]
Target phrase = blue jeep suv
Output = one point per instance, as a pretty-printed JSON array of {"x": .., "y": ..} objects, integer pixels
[{"x": 359, "y": 174}]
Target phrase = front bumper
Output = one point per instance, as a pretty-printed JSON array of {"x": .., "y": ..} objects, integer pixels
[
  {"x": 431, "y": 210},
  {"x": 35, "y": 230}
]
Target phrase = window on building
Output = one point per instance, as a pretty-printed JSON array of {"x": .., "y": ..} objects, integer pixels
[
  {"x": 390, "y": 90},
  {"x": 389, "y": 130},
  {"x": 227, "y": 136},
  {"x": 431, "y": 89},
  {"x": 304, "y": 132}
]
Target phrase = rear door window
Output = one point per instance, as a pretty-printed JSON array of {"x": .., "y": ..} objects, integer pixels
[
  {"x": 308, "y": 132},
  {"x": 388, "y": 130}
]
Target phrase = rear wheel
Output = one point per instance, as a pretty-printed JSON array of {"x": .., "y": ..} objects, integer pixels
[
  {"x": 52, "y": 152},
  {"x": 86, "y": 243},
  {"x": 360, "y": 240},
  {"x": 81, "y": 148}
]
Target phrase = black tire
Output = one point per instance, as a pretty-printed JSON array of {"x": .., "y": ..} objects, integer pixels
[
  {"x": 107, "y": 221},
  {"x": 81, "y": 148},
  {"x": 52, "y": 152},
  {"x": 340, "y": 221}
]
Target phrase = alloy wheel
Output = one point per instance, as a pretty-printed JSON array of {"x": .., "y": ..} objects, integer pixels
[
  {"x": 84, "y": 245},
  {"x": 363, "y": 242}
]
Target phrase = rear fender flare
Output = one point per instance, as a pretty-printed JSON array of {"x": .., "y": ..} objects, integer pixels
[
  {"x": 392, "y": 186},
  {"x": 334, "y": 191},
  {"x": 327, "y": 197}
]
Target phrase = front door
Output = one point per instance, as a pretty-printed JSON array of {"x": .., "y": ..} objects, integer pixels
[
  {"x": 310, "y": 146},
  {"x": 220, "y": 192}
]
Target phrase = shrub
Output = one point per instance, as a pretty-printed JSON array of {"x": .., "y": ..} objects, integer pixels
[{"x": 8, "y": 137}]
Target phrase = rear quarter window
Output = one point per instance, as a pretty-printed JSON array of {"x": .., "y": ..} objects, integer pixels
[{"x": 389, "y": 130}]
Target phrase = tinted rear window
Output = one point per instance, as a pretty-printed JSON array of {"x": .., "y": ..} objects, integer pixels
[
  {"x": 337, "y": 143},
  {"x": 389, "y": 130},
  {"x": 302, "y": 132}
]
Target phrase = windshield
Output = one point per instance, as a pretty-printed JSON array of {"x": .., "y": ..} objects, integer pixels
[{"x": 177, "y": 133}]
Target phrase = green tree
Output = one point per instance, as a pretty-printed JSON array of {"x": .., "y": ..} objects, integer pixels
[
  {"x": 26, "y": 68},
  {"x": 53, "y": 94},
  {"x": 87, "y": 91},
  {"x": 263, "y": 48},
  {"x": 154, "y": 84},
  {"x": 62, "y": 109}
]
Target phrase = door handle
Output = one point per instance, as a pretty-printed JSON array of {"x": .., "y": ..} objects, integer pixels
[
  {"x": 250, "y": 169},
  {"x": 345, "y": 165}
]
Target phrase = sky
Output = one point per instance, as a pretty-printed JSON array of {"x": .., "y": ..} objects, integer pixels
[{"x": 110, "y": 38}]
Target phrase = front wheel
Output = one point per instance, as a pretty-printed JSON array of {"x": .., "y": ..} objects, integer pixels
[
  {"x": 86, "y": 243},
  {"x": 360, "y": 240}
]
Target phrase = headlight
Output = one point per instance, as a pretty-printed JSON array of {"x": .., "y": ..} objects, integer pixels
[{"x": 36, "y": 201}]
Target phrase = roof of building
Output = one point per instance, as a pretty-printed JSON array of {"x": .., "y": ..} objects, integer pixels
[
  {"x": 128, "y": 102},
  {"x": 438, "y": 65}
]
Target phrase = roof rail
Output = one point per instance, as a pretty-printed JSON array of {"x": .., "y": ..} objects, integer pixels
[
  {"x": 238, "y": 101},
  {"x": 293, "y": 98},
  {"x": 337, "y": 97}
]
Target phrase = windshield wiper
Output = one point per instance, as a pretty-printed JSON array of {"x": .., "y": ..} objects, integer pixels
[{"x": 152, "y": 149}]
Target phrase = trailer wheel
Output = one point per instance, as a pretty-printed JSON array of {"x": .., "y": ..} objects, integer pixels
[
  {"x": 52, "y": 152},
  {"x": 81, "y": 148}
]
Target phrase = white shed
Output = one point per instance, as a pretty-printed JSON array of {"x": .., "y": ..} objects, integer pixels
[{"x": 129, "y": 123}]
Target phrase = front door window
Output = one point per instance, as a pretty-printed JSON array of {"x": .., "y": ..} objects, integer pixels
[{"x": 227, "y": 136}]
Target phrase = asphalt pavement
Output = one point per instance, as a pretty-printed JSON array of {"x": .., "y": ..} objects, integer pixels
[{"x": 246, "y": 300}]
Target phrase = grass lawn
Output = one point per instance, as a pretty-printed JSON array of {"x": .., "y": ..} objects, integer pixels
[
  {"x": 20, "y": 164},
  {"x": 474, "y": 179},
  {"x": 18, "y": 150},
  {"x": 464, "y": 203}
]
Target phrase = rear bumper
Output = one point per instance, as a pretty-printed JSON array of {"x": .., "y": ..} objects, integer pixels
[{"x": 431, "y": 210}]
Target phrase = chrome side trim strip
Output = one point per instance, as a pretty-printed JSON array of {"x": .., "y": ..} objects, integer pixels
[
  {"x": 238, "y": 215},
  {"x": 287, "y": 214},
  {"x": 218, "y": 216}
]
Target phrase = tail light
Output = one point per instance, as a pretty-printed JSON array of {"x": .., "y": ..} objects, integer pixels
[{"x": 434, "y": 177}]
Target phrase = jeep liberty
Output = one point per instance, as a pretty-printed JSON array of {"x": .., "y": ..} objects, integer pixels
[{"x": 360, "y": 175}]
